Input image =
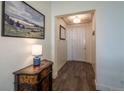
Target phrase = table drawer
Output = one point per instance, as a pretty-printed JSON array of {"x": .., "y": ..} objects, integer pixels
[
  {"x": 45, "y": 72},
  {"x": 28, "y": 79}
]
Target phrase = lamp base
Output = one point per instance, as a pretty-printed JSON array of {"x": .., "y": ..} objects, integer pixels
[{"x": 36, "y": 61}]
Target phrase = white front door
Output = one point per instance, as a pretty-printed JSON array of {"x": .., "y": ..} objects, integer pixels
[{"x": 76, "y": 43}]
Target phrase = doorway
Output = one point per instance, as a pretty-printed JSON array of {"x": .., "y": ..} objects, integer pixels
[
  {"x": 76, "y": 54},
  {"x": 81, "y": 38}
]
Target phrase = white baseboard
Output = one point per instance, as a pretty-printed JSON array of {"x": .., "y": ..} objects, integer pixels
[
  {"x": 103, "y": 87},
  {"x": 55, "y": 75}
]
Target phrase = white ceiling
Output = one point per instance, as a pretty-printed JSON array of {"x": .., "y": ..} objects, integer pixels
[{"x": 83, "y": 17}]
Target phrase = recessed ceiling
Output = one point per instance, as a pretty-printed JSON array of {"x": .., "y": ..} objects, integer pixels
[{"x": 84, "y": 18}]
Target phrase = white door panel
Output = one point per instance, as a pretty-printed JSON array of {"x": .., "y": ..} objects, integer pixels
[{"x": 76, "y": 43}]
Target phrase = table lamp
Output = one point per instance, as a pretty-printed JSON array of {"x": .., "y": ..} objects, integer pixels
[{"x": 37, "y": 53}]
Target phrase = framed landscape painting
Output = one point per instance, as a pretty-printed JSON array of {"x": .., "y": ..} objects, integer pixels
[
  {"x": 62, "y": 33},
  {"x": 21, "y": 20}
]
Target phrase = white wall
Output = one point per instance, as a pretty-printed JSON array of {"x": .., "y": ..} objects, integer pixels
[
  {"x": 15, "y": 53},
  {"x": 109, "y": 39},
  {"x": 61, "y": 47}
]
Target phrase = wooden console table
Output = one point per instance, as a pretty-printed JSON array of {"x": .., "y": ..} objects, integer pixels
[{"x": 32, "y": 78}]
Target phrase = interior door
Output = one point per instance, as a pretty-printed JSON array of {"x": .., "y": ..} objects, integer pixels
[{"x": 76, "y": 43}]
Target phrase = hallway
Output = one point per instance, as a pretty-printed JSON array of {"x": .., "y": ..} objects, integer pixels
[{"x": 75, "y": 76}]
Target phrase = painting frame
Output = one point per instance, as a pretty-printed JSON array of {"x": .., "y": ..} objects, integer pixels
[
  {"x": 62, "y": 33},
  {"x": 42, "y": 33}
]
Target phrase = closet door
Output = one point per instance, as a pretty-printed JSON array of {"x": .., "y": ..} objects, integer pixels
[{"x": 76, "y": 43}]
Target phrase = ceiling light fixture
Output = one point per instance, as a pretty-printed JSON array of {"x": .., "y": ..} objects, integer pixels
[{"x": 76, "y": 20}]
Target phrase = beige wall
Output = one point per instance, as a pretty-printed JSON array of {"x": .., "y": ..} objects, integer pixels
[
  {"x": 90, "y": 44},
  {"x": 61, "y": 47},
  {"x": 93, "y": 41},
  {"x": 15, "y": 53}
]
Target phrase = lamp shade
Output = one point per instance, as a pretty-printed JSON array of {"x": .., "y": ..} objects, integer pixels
[{"x": 36, "y": 50}]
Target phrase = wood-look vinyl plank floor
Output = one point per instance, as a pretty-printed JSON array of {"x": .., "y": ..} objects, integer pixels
[{"x": 75, "y": 76}]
